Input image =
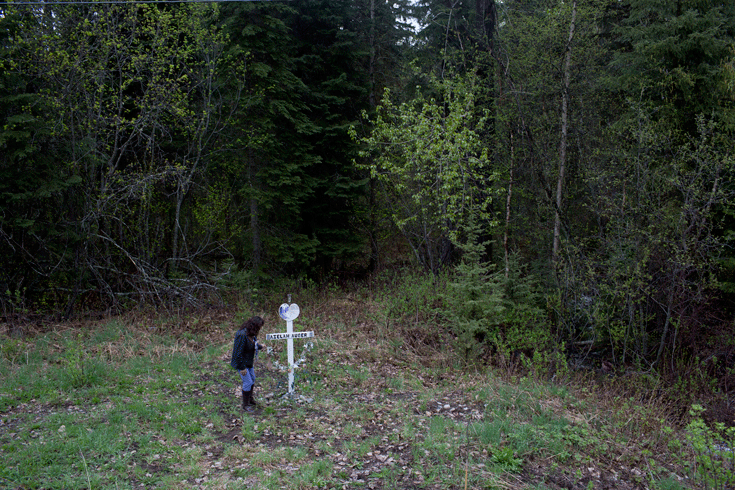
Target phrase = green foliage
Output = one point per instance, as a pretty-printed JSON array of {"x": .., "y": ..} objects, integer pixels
[
  {"x": 505, "y": 460},
  {"x": 31, "y": 181},
  {"x": 714, "y": 464},
  {"x": 127, "y": 98},
  {"x": 676, "y": 59},
  {"x": 411, "y": 295},
  {"x": 432, "y": 164},
  {"x": 296, "y": 88},
  {"x": 548, "y": 361},
  {"x": 534, "y": 40},
  {"x": 641, "y": 283},
  {"x": 81, "y": 372},
  {"x": 517, "y": 427},
  {"x": 498, "y": 310},
  {"x": 669, "y": 483},
  {"x": 11, "y": 350},
  {"x": 475, "y": 303}
]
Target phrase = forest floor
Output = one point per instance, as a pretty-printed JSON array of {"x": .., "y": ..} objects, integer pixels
[{"x": 142, "y": 403}]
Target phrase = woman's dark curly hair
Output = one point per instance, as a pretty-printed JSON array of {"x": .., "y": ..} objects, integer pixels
[{"x": 252, "y": 326}]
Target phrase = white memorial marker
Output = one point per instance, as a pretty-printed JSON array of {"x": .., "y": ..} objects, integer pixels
[{"x": 289, "y": 312}]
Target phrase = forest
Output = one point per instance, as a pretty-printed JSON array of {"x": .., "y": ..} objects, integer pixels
[{"x": 564, "y": 168}]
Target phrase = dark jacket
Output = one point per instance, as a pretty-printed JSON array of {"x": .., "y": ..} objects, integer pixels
[{"x": 243, "y": 352}]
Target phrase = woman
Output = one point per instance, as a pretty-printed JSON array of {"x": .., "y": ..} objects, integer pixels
[{"x": 244, "y": 354}]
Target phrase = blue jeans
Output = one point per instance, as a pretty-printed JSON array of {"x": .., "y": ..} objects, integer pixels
[{"x": 248, "y": 378}]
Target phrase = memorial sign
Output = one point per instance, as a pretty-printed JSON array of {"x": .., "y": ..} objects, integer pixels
[
  {"x": 289, "y": 312},
  {"x": 292, "y": 335}
]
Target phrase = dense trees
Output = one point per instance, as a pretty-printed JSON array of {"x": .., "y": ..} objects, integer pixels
[
  {"x": 150, "y": 151},
  {"x": 168, "y": 142},
  {"x": 130, "y": 116}
]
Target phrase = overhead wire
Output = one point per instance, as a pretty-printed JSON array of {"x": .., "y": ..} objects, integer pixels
[{"x": 120, "y": 2}]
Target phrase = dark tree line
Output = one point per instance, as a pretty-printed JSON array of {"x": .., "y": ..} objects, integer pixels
[{"x": 154, "y": 153}]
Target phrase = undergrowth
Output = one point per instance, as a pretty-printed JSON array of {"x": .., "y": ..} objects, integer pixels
[{"x": 387, "y": 402}]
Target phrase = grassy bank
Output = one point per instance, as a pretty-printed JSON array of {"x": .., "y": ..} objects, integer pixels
[{"x": 145, "y": 402}]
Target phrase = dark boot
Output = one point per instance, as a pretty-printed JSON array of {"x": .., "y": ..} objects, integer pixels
[
  {"x": 251, "y": 400},
  {"x": 246, "y": 398}
]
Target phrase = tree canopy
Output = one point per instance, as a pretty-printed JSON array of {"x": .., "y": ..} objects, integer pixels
[{"x": 155, "y": 153}]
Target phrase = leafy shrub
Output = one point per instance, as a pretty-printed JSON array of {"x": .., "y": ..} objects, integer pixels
[
  {"x": 714, "y": 450},
  {"x": 80, "y": 369},
  {"x": 506, "y": 460},
  {"x": 11, "y": 349},
  {"x": 412, "y": 294},
  {"x": 494, "y": 309}
]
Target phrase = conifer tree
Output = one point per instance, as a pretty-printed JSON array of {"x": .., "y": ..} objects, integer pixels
[
  {"x": 674, "y": 56},
  {"x": 32, "y": 235},
  {"x": 304, "y": 83}
]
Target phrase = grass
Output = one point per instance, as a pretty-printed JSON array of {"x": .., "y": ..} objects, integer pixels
[{"x": 151, "y": 403}]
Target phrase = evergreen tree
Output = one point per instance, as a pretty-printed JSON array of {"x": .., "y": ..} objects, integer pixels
[
  {"x": 307, "y": 69},
  {"x": 35, "y": 243},
  {"x": 674, "y": 57},
  {"x": 329, "y": 50},
  {"x": 267, "y": 162}
]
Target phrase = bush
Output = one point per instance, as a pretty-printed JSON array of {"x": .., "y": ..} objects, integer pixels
[
  {"x": 490, "y": 309},
  {"x": 714, "y": 462}
]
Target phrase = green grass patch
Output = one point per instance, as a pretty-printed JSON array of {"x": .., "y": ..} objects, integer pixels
[{"x": 127, "y": 405}]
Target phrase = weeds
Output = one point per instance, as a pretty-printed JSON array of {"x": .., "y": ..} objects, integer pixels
[
  {"x": 124, "y": 406},
  {"x": 714, "y": 451},
  {"x": 506, "y": 460}
]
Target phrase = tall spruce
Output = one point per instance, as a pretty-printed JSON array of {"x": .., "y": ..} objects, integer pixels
[
  {"x": 305, "y": 79},
  {"x": 267, "y": 162},
  {"x": 329, "y": 50},
  {"x": 33, "y": 236},
  {"x": 673, "y": 57}
]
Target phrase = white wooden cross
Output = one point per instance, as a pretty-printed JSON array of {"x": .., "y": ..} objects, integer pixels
[{"x": 289, "y": 312}]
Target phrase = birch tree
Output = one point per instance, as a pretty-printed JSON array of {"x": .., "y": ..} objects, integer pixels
[
  {"x": 433, "y": 168},
  {"x": 564, "y": 135}
]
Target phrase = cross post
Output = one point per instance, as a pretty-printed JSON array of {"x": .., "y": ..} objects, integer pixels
[{"x": 289, "y": 312}]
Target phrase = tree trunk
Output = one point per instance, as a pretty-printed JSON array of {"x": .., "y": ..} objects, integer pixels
[
  {"x": 254, "y": 221},
  {"x": 176, "y": 228},
  {"x": 371, "y": 67},
  {"x": 563, "y": 142},
  {"x": 373, "y": 224},
  {"x": 507, "y": 210}
]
